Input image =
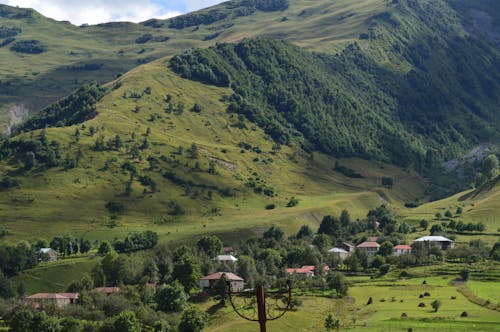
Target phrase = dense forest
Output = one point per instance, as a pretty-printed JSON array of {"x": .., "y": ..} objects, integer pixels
[{"x": 353, "y": 103}]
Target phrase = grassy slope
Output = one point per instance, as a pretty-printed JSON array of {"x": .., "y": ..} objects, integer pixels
[
  {"x": 36, "y": 80},
  {"x": 56, "y": 193},
  {"x": 478, "y": 206}
]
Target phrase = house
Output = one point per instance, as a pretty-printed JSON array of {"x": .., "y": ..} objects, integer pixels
[
  {"x": 305, "y": 271},
  {"x": 370, "y": 247},
  {"x": 401, "y": 249},
  {"x": 341, "y": 253},
  {"x": 226, "y": 259},
  {"x": 60, "y": 300},
  {"x": 48, "y": 254},
  {"x": 300, "y": 272},
  {"x": 237, "y": 283},
  {"x": 440, "y": 241},
  {"x": 228, "y": 251},
  {"x": 347, "y": 246},
  {"x": 106, "y": 290}
]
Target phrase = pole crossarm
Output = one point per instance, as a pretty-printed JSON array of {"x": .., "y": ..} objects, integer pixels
[{"x": 264, "y": 311}]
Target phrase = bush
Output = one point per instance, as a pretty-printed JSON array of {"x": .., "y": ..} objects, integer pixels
[
  {"x": 115, "y": 207},
  {"x": 270, "y": 206},
  {"x": 8, "y": 182},
  {"x": 292, "y": 202},
  {"x": 144, "y": 38},
  {"x": 28, "y": 47}
]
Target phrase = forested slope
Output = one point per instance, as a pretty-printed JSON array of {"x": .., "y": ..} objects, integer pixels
[{"x": 402, "y": 94}]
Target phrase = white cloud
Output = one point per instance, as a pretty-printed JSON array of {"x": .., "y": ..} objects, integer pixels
[
  {"x": 192, "y": 5},
  {"x": 99, "y": 11}
]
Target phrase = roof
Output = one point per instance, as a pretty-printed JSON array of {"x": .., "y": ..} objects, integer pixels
[
  {"x": 368, "y": 244},
  {"x": 433, "y": 239},
  {"x": 217, "y": 276},
  {"x": 299, "y": 271},
  {"x": 225, "y": 258},
  {"x": 47, "y": 296},
  {"x": 46, "y": 250},
  {"x": 107, "y": 290},
  {"x": 338, "y": 250},
  {"x": 225, "y": 249},
  {"x": 402, "y": 247}
]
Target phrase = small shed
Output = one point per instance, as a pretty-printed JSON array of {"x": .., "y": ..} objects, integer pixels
[
  {"x": 347, "y": 246},
  {"x": 228, "y": 250},
  {"x": 106, "y": 290},
  {"x": 48, "y": 254}
]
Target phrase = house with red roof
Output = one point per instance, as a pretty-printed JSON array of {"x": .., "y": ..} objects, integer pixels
[
  {"x": 237, "y": 283},
  {"x": 401, "y": 249},
  {"x": 370, "y": 247},
  {"x": 305, "y": 271}
]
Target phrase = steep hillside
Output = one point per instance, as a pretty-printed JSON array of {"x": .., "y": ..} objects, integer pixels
[
  {"x": 176, "y": 168},
  {"x": 402, "y": 94},
  {"x": 44, "y": 60},
  {"x": 65, "y": 56},
  {"x": 156, "y": 149}
]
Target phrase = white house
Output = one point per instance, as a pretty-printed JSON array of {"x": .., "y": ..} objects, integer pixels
[
  {"x": 237, "y": 283},
  {"x": 343, "y": 254},
  {"x": 60, "y": 300},
  {"x": 440, "y": 241},
  {"x": 226, "y": 258}
]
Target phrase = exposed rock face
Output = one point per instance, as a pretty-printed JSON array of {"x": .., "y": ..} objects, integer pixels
[{"x": 17, "y": 114}]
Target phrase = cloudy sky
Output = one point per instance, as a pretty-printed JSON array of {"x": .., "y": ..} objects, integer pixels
[{"x": 100, "y": 11}]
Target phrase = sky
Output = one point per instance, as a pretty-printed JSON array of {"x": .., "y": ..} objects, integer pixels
[{"x": 101, "y": 11}]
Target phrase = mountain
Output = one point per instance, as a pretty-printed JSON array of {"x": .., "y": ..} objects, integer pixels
[
  {"x": 220, "y": 138},
  {"x": 66, "y": 57}
]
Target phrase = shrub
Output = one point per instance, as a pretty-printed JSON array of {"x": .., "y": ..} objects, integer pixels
[
  {"x": 144, "y": 38},
  {"x": 292, "y": 202},
  {"x": 28, "y": 46},
  {"x": 115, "y": 207},
  {"x": 270, "y": 206},
  {"x": 421, "y": 305}
]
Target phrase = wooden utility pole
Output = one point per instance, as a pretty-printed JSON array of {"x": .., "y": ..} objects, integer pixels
[
  {"x": 263, "y": 315},
  {"x": 261, "y": 306}
]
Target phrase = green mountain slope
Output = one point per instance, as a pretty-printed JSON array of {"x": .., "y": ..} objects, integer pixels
[
  {"x": 62, "y": 178},
  {"x": 155, "y": 150},
  {"x": 405, "y": 96},
  {"x": 73, "y": 56}
]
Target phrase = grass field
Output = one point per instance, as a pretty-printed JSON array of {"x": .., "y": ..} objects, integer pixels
[
  {"x": 485, "y": 290},
  {"x": 390, "y": 300},
  {"x": 54, "y": 276}
]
